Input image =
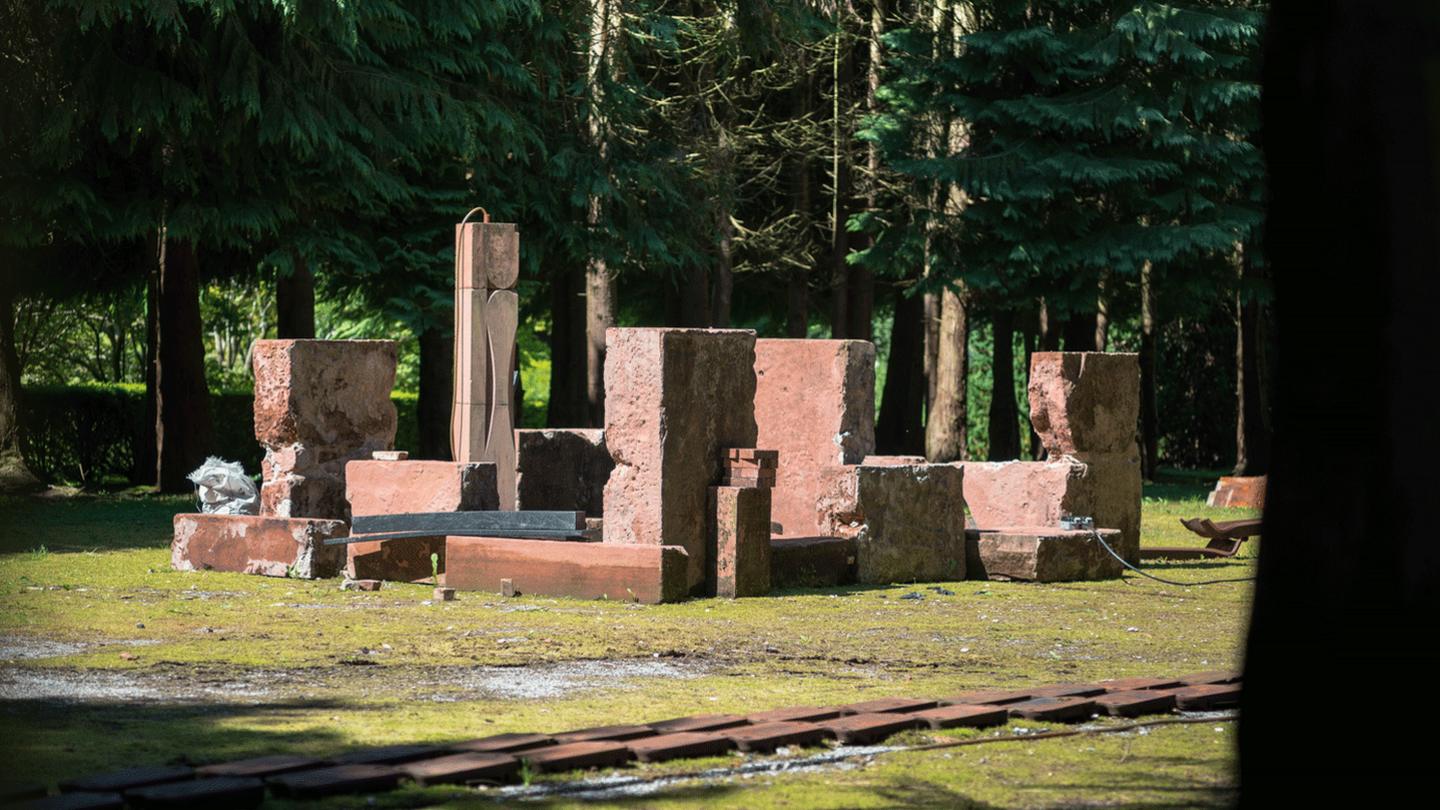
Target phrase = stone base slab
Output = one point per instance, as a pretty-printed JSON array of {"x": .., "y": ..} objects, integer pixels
[
  {"x": 253, "y": 544},
  {"x": 1037, "y": 554},
  {"x": 623, "y": 572},
  {"x": 811, "y": 562}
]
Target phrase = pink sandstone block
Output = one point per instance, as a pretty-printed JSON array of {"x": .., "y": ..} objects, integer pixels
[
  {"x": 401, "y": 487},
  {"x": 564, "y": 469},
  {"x": 1039, "y": 493},
  {"x": 1239, "y": 492},
  {"x": 1041, "y": 554},
  {"x": 252, "y": 544},
  {"x": 319, "y": 404},
  {"x": 908, "y": 521},
  {"x": 674, "y": 398},
  {"x": 621, "y": 572},
  {"x": 815, "y": 403},
  {"x": 739, "y": 541},
  {"x": 1085, "y": 402}
]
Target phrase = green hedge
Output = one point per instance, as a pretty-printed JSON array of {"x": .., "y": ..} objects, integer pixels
[{"x": 88, "y": 434}]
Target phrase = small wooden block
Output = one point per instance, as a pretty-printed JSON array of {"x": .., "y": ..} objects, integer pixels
[
  {"x": 859, "y": 729},
  {"x": 335, "y": 781},
  {"x": 794, "y": 714},
  {"x": 769, "y": 736},
  {"x": 888, "y": 705},
  {"x": 989, "y": 697},
  {"x": 502, "y": 743},
  {"x": 221, "y": 793},
  {"x": 77, "y": 801},
  {"x": 507, "y": 587},
  {"x": 390, "y": 455},
  {"x": 119, "y": 781},
  {"x": 700, "y": 722},
  {"x": 604, "y": 733},
  {"x": 1132, "y": 684},
  {"x": 577, "y": 755},
  {"x": 259, "y": 766},
  {"x": 1212, "y": 677},
  {"x": 460, "y": 769},
  {"x": 1135, "y": 703},
  {"x": 977, "y": 716},
  {"x": 390, "y": 754},
  {"x": 679, "y": 745},
  {"x": 1054, "y": 710},
  {"x": 1207, "y": 697},
  {"x": 1061, "y": 690}
]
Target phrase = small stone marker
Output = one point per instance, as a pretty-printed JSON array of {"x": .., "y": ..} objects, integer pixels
[
  {"x": 859, "y": 729},
  {"x": 577, "y": 756},
  {"x": 335, "y": 781},
  {"x": 1135, "y": 703},
  {"x": 976, "y": 716},
  {"x": 701, "y": 722},
  {"x": 507, "y": 587},
  {"x": 220, "y": 792},
  {"x": 888, "y": 705},
  {"x": 769, "y": 736},
  {"x": 620, "y": 732},
  {"x": 444, "y": 594},
  {"x": 1053, "y": 710},
  {"x": 259, "y": 766},
  {"x": 128, "y": 778},
  {"x": 679, "y": 745},
  {"x": 503, "y": 743},
  {"x": 462, "y": 769}
]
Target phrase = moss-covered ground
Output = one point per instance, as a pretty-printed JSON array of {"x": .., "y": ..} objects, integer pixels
[{"x": 108, "y": 658}]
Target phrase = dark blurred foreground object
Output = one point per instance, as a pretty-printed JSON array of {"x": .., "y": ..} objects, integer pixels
[{"x": 1350, "y": 585}]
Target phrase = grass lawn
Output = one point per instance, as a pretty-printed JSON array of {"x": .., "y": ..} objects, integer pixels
[{"x": 108, "y": 658}]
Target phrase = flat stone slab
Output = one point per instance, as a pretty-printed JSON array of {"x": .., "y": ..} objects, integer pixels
[
  {"x": 1210, "y": 677},
  {"x": 1038, "y": 554},
  {"x": 888, "y": 705},
  {"x": 122, "y": 780},
  {"x": 794, "y": 714},
  {"x": 860, "y": 729},
  {"x": 618, "y": 732},
  {"x": 257, "y": 544},
  {"x": 389, "y": 754},
  {"x": 461, "y": 769},
  {"x": 1207, "y": 697},
  {"x": 1135, "y": 703},
  {"x": 700, "y": 722},
  {"x": 562, "y": 469},
  {"x": 577, "y": 756},
  {"x": 1061, "y": 690},
  {"x": 1133, "y": 684},
  {"x": 1053, "y": 710},
  {"x": 335, "y": 781},
  {"x": 503, "y": 743},
  {"x": 624, "y": 572},
  {"x": 260, "y": 766},
  {"x": 811, "y": 562},
  {"x": 769, "y": 736},
  {"x": 978, "y": 716},
  {"x": 221, "y": 793},
  {"x": 989, "y": 697},
  {"x": 679, "y": 745}
]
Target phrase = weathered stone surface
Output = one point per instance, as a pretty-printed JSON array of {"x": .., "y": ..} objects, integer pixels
[
  {"x": 403, "y": 487},
  {"x": 908, "y": 521},
  {"x": 622, "y": 572},
  {"x": 318, "y": 405},
  {"x": 811, "y": 562},
  {"x": 1239, "y": 492},
  {"x": 1038, "y": 554},
  {"x": 256, "y": 544},
  {"x": 1038, "y": 493},
  {"x": 673, "y": 399},
  {"x": 1085, "y": 402},
  {"x": 815, "y": 403},
  {"x": 739, "y": 542},
  {"x": 562, "y": 469}
]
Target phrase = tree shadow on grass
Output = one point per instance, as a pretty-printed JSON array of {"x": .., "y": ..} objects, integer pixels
[{"x": 88, "y": 523}]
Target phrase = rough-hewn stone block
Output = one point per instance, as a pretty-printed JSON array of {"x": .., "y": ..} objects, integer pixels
[
  {"x": 1239, "y": 492},
  {"x": 739, "y": 542},
  {"x": 562, "y": 469},
  {"x": 1039, "y": 493},
  {"x": 811, "y": 562},
  {"x": 673, "y": 399},
  {"x": 255, "y": 544},
  {"x": 1040, "y": 554},
  {"x": 1085, "y": 402},
  {"x": 623, "y": 572},
  {"x": 815, "y": 403},
  {"x": 908, "y": 521}
]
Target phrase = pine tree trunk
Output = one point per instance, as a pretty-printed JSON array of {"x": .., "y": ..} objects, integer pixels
[
  {"x": 695, "y": 299},
  {"x": 295, "y": 302},
  {"x": 599, "y": 297},
  {"x": 599, "y": 316},
  {"x": 568, "y": 406},
  {"x": 182, "y": 403},
  {"x": 436, "y": 395},
  {"x": 898, "y": 430},
  {"x": 1252, "y": 435},
  {"x": 1102, "y": 315},
  {"x": 15, "y": 475},
  {"x": 1048, "y": 332},
  {"x": 945, "y": 425},
  {"x": 1004, "y": 426},
  {"x": 932, "y": 309},
  {"x": 147, "y": 463},
  {"x": 1149, "y": 350},
  {"x": 1032, "y": 439},
  {"x": 841, "y": 188},
  {"x": 724, "y": 273},
  {"x": 797, "y": 305}
]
